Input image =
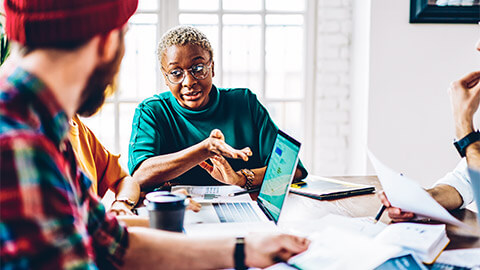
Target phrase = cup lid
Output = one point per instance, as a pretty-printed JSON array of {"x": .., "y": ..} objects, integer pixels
[{"x": 164, "y": 200}]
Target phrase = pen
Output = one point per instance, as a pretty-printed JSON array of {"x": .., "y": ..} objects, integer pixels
[
  {"x": 379, "y": 215},
  {"x": 244, "y": 192},
  {"x": 298, "y": 184}
]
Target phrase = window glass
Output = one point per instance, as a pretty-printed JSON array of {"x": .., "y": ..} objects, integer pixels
[
  {"x": 139, "y": 66},
  {"x": 242, "y": 52},
  {"x": 127, "y": 110},
  {"x": 147, "y": 5},
  {"x": 242, "y": 5},
  {"x": 198, "y": 5},
  {"x": 284, "y": 58},
  {"x": 286, "y": 5},
  {"x": 287, "y": 115},
  {"x": 103, "y": 125}
]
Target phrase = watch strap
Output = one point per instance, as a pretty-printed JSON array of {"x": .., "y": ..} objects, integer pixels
[
  {"x": 239, "y": 254},
  {"x": 463, "y": 143},
  {"x": 250, "y": 176},
  {"x": 126, "y": 200}
]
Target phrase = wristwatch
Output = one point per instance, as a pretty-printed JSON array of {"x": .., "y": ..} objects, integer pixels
[
  {"x": 250, "y": 177},
  {"x": 131, "y": 203},
  {"x": 463, "y": 143},
  {"x": 239, "y": 254}
]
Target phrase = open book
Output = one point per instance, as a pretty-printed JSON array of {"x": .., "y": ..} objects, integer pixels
[{"x": 328, "y": 189}]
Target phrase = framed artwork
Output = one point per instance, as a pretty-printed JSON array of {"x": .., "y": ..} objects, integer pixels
[{"x": 444, "y": 11}]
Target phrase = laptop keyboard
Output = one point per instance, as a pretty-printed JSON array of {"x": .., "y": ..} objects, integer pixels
[{"x": 235, "y": 212}]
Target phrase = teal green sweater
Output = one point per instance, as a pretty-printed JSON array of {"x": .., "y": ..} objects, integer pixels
[{"x": 161, "y": 126}]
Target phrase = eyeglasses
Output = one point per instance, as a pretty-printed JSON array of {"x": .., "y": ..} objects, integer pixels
[{"x": 199, "y": 72}]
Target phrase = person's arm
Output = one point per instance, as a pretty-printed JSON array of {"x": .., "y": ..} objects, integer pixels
[
  {"x": 446, "y": 195},
  {"x": 156, "y": 170},
  {"x": 223, "y": 172},
  {"x": 465, "y": 98},
  {"x": 127, "y": 190},
  {"x": 154, "y": 248}
]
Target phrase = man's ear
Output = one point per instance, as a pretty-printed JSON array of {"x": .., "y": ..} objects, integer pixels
[{"x": 108, "y": 45}]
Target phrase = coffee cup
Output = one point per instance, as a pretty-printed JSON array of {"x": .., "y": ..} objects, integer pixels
[{"x": 166, "y": 210}]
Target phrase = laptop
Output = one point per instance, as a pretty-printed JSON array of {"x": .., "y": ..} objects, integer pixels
[{"x": 271, "y": 199}]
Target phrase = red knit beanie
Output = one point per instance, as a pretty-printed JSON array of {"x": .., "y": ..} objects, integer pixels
[{"x": 44, "y": 23}]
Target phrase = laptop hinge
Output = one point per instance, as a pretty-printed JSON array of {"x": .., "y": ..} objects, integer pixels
[{"x": 265, "y": 210}]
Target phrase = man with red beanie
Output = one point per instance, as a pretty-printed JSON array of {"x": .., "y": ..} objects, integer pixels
[{"x": 67, "y": 53}]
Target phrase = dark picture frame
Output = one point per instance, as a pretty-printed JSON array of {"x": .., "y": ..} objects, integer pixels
[{"x": 423, "y": 12}]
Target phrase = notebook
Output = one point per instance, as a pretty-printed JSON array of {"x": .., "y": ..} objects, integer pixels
[
  {"x": 271, "y": 199},
  {"x": 327, "y": 189}
]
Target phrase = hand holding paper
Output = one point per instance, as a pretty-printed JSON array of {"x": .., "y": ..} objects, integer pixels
[{"x": 407, "y": 195}]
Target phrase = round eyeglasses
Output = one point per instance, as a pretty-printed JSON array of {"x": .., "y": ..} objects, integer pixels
[{"x": 199, "y": 72}]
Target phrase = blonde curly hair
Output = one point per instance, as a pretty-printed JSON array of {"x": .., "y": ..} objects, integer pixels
[{"x": 183, "y": 35}]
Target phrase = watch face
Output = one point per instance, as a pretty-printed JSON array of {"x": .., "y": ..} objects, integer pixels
[{"x": 248, "y": 173}]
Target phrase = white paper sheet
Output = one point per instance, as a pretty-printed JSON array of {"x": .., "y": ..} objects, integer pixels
[
  {"x": 469, "y": 257},
  {"x": 334, "y": 248},
  {"x": 360, "y": 225},
  {"x": 210, "y": 194},
  {"x": 407, "y": 195}
]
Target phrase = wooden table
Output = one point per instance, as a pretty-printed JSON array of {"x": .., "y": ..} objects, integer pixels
[{"x": 300, "y": 208}]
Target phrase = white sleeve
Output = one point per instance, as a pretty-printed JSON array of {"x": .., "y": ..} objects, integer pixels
[{"x": 460, "y": 180}]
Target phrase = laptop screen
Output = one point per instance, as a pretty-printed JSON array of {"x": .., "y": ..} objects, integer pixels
[{"x": 279, "y": 174}]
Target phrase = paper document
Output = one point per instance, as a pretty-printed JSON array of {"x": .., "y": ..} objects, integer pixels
[
  {"x": 409, "y": 196},
  {"x": 211, "y": 194},
  {"x": 334, "y": 248},
  {"x": 360, "y": 225},
  {"x": 469, "y": 257}
]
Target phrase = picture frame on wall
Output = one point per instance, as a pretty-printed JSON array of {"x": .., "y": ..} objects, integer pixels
[{"x": 444, "y": 11}]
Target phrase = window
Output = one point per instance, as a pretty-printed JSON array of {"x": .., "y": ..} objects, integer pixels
[{"x": 258, "y": 44}]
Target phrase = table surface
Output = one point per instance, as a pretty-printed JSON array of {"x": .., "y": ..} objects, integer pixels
[{"x": 300, "y": 208}]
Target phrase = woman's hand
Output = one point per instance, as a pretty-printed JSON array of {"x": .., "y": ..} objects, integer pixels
[
  {"x": 223, "y": 172},
  {"x": 192, "y": 205},
  {"x": 216, "y": 145},
  {"x": 119, "y": 208},
  {"x": 396, "y": 214}
]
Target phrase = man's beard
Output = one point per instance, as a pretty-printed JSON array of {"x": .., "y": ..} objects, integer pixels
[{"x": 95, "y": 92}]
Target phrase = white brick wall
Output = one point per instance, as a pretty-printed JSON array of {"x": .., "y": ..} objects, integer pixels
[{"x": 332, "y": 87}]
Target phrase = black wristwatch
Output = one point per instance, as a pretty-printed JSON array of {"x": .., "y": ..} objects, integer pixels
[
  {"x": 463, "y": 143},
  {"x": 239, "y": 254}
]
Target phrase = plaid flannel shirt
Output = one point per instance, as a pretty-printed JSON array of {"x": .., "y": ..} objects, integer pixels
[{"x": 49, "y": 219}]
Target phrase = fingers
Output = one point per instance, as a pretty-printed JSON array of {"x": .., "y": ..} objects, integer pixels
[
  {"x": 194, "y": 206},
  {"x": 217, "y": 134},
  {"x": 383, "y": 199},
  {"x": 206, "y": 166},
  {"x": 290, "y": 246},
  {"x": 470, "y": 80},
  {"x": 397, "y": 215}
]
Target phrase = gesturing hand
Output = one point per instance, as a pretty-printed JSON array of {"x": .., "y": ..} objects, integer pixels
[
  {"x": 465, "y": 98},
  {"x": 222, "y": 171},
  {"x": 216, "y": 145}
]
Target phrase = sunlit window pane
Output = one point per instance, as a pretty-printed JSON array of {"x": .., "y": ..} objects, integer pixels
[
  {"x": 287, "y": 115},
  {"x": 242, "y": 52},
  {"x": 284, "y": 61},
  {"x": 147, "y": 5},
  {"x": 138, "y": 70},
  {"x": 242, "y": 5},
  {"x": 286, "y": 5},
  {"x": 126, "y": 115},
  {"x": 103, "y": 125},
  {"x": 198, "y": 5}
]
